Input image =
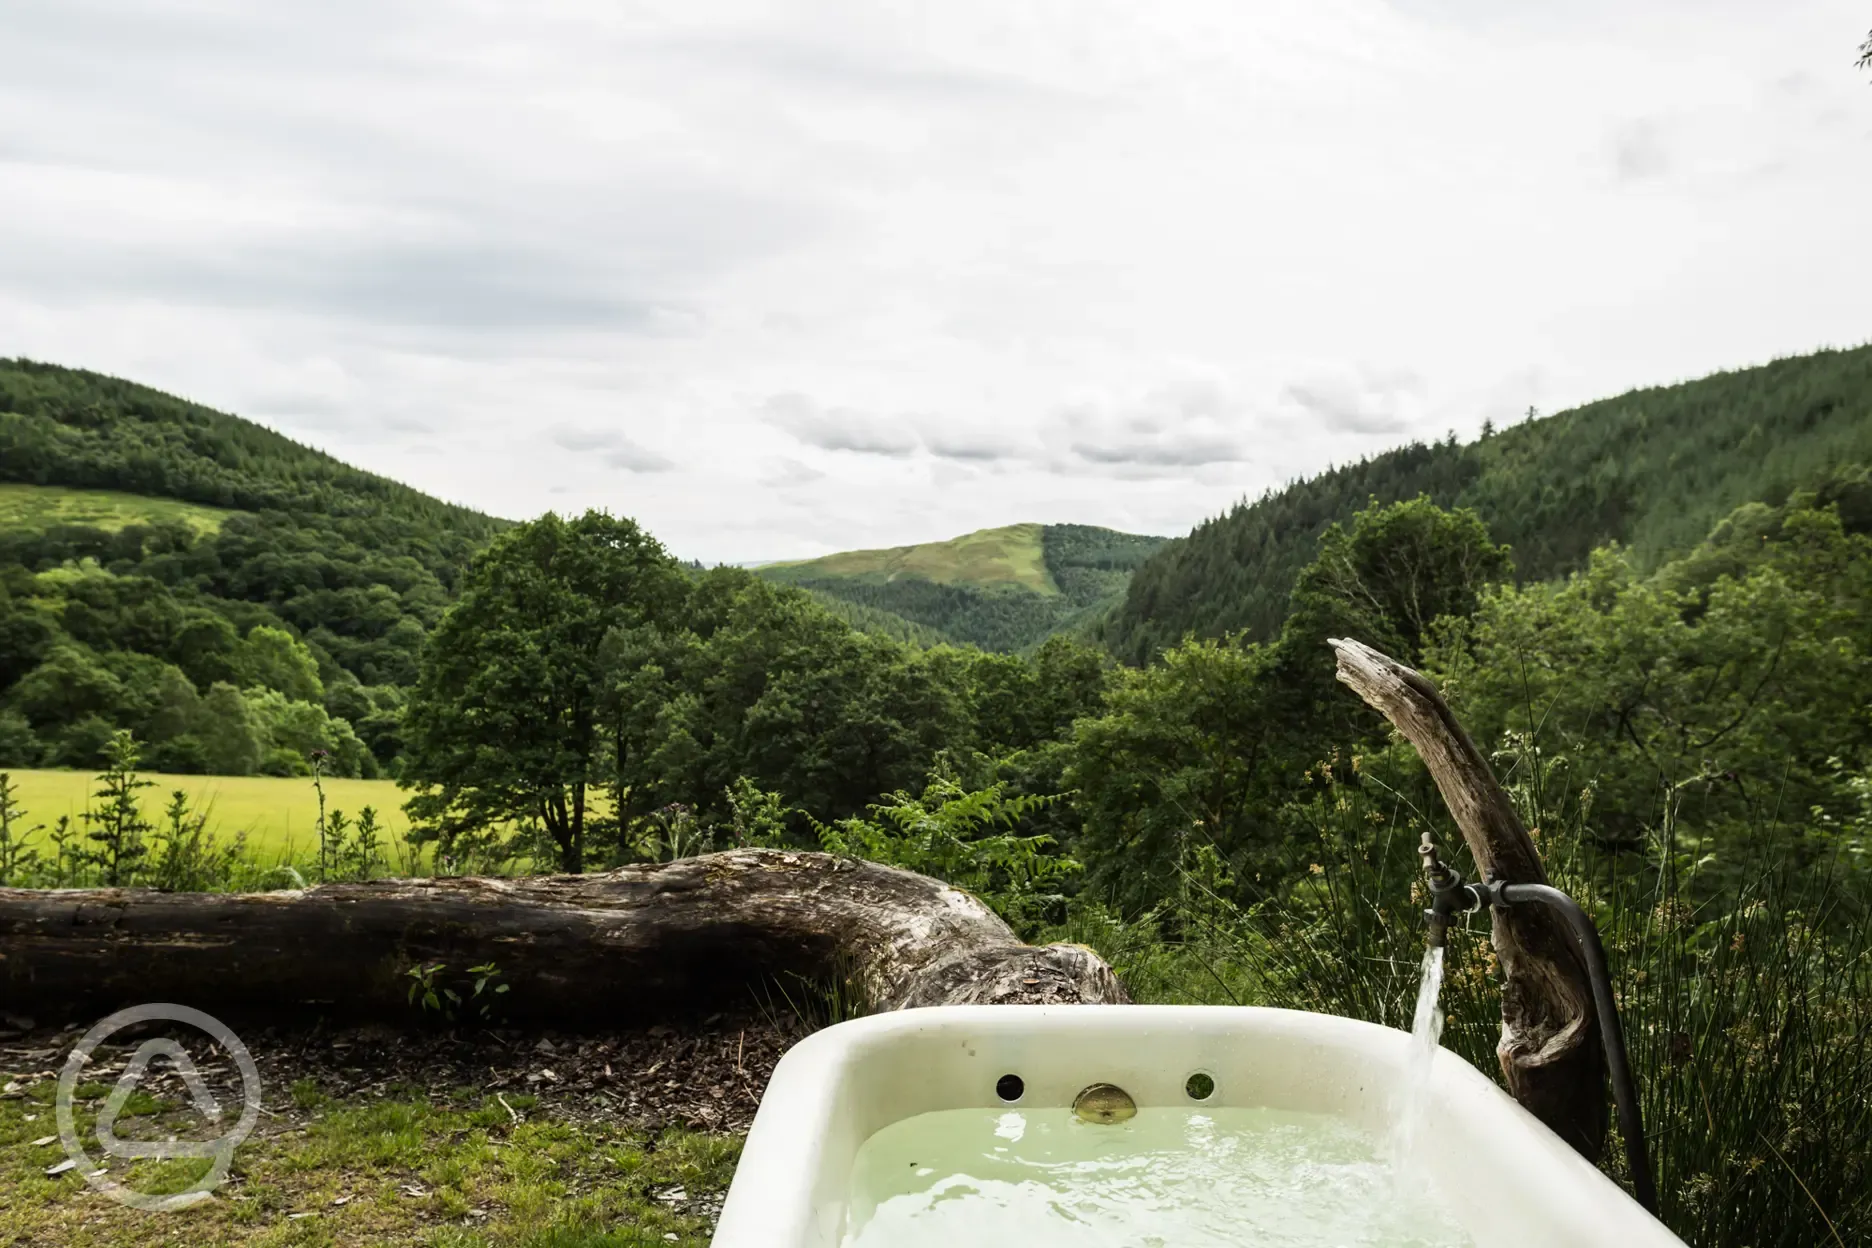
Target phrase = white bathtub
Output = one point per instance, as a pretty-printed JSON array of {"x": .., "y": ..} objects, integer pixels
[{"x": 1509, "y": 1180}]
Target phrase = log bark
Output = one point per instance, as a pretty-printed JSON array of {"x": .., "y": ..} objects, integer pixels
[
  {"x": 1549, "y": 1049},
  {"x": 639, "y": 942}
]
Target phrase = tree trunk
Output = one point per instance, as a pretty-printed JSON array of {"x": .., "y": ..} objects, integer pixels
[
  {"x": 1550, "y": 1050},
  {"x": 641, "y": 941}
]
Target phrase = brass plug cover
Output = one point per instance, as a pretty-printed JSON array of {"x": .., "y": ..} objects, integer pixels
[{"x": 1104, "y": 1103}]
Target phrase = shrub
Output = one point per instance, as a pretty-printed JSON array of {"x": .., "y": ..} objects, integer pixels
[
  {"x": 1747, "y": 1010},
  {"x": 968, "y": 839}
]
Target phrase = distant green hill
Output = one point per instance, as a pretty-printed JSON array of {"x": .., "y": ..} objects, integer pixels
[
  {"x": 143, "y": 537},
  {"x": 66, "y": 426},
  {"x": 1012, "y": 555},
  {"x": 1001, "y": 589},
  {"x": 1653, "y": 469}
]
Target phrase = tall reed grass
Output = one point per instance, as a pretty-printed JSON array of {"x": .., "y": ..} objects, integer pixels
[{"x": 1744, "y": 979}]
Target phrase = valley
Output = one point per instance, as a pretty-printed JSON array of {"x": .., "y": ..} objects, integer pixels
[
  {"x": 612, "y": 615},
  {"x": 1653, "y": 613}
]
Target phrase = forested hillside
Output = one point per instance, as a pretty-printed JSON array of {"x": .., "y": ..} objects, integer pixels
[
  {"x": 1652, "y": 470},
  {"x": 1001, "y": 589},
  {"x": 878, "y": 622},
  {"x": 66, "y": 426},
  {"x": 1682, "y": 718},
  {"x": 236, "y": 599}
]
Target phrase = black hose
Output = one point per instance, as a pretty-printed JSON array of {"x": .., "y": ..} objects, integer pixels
[{"x": 1624, "y": 1087}]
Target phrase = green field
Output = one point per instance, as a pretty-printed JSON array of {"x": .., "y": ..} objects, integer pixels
[
  {"x": 279, "y": 815},
  {"x": 42, "y": 506},
  {"x": 1012, "y": 555}
]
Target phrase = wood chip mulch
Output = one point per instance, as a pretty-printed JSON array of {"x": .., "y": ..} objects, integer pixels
[{"x": 705, "y": 1075}]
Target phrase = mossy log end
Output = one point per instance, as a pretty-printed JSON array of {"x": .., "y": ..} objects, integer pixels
[
  {"x": 637, "y": 942},
  {"x": 1549, "y": 1050}
]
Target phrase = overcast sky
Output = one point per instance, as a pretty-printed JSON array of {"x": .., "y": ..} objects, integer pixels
[{"x": 778, "y": 279}]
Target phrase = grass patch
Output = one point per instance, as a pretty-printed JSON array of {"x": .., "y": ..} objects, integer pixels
[
  {"x": 1011, "y": 555},
  {"x": 466, "y": 1172},
  {"x": 43, "y": 506}
]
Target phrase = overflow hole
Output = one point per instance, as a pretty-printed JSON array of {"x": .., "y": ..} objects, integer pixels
[
  {"x": 1010, "y": 1087},
  {"x": 1200, "y": 1087}
]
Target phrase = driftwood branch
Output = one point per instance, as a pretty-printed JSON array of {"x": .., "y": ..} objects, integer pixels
[
  {"x": 636, "y": 942},
  {"x": 1549, "y": 1049}
]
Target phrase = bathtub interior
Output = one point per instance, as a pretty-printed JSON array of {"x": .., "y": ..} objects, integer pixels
[{"x": 1507, "y": 1178}]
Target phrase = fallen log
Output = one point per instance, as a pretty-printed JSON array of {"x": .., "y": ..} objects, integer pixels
[
  {"x": 1549, "y": 1048},
  {"x": 637, "y": 942}
]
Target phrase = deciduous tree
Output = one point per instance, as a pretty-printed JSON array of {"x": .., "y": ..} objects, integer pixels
[
  {"x": 503, "y": 725},
  {"x": 272, "y": 658}
]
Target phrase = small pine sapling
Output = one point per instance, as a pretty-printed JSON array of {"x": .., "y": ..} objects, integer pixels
[{"x": 116, "y": 827}]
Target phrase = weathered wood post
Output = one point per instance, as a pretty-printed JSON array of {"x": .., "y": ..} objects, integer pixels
[{"x": 1549, "y": 1049}]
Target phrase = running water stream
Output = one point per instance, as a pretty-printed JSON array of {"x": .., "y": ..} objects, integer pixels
[{"x": 1426, "y": 1033}]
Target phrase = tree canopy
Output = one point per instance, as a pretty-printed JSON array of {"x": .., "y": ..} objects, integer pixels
[
  {"x": 1653, "y": 469},
  {"x": 318, "y": 583},
  {"x": 503, "y": 724}
]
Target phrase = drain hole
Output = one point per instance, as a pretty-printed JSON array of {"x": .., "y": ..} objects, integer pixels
[
  {"x": 1200, "y": 1087},
  {"x": 1010, "y": 1087}
]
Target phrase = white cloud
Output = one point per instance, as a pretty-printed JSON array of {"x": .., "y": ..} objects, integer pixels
[
  {"x": 1193, "y": 420},
  {"x": 1639, "y": 151},
  {"x": 943, "y": 266},
  {"x": 1359, "y": 400},
  {"x": 613, "y": 448},
  {"x": 975, "y": 444},
  {"x": 840, "y": 428},
  {"x": 783, "y": 473}
]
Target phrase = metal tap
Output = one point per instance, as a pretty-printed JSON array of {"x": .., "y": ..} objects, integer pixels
[{"x": 1451, "y": 896}]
